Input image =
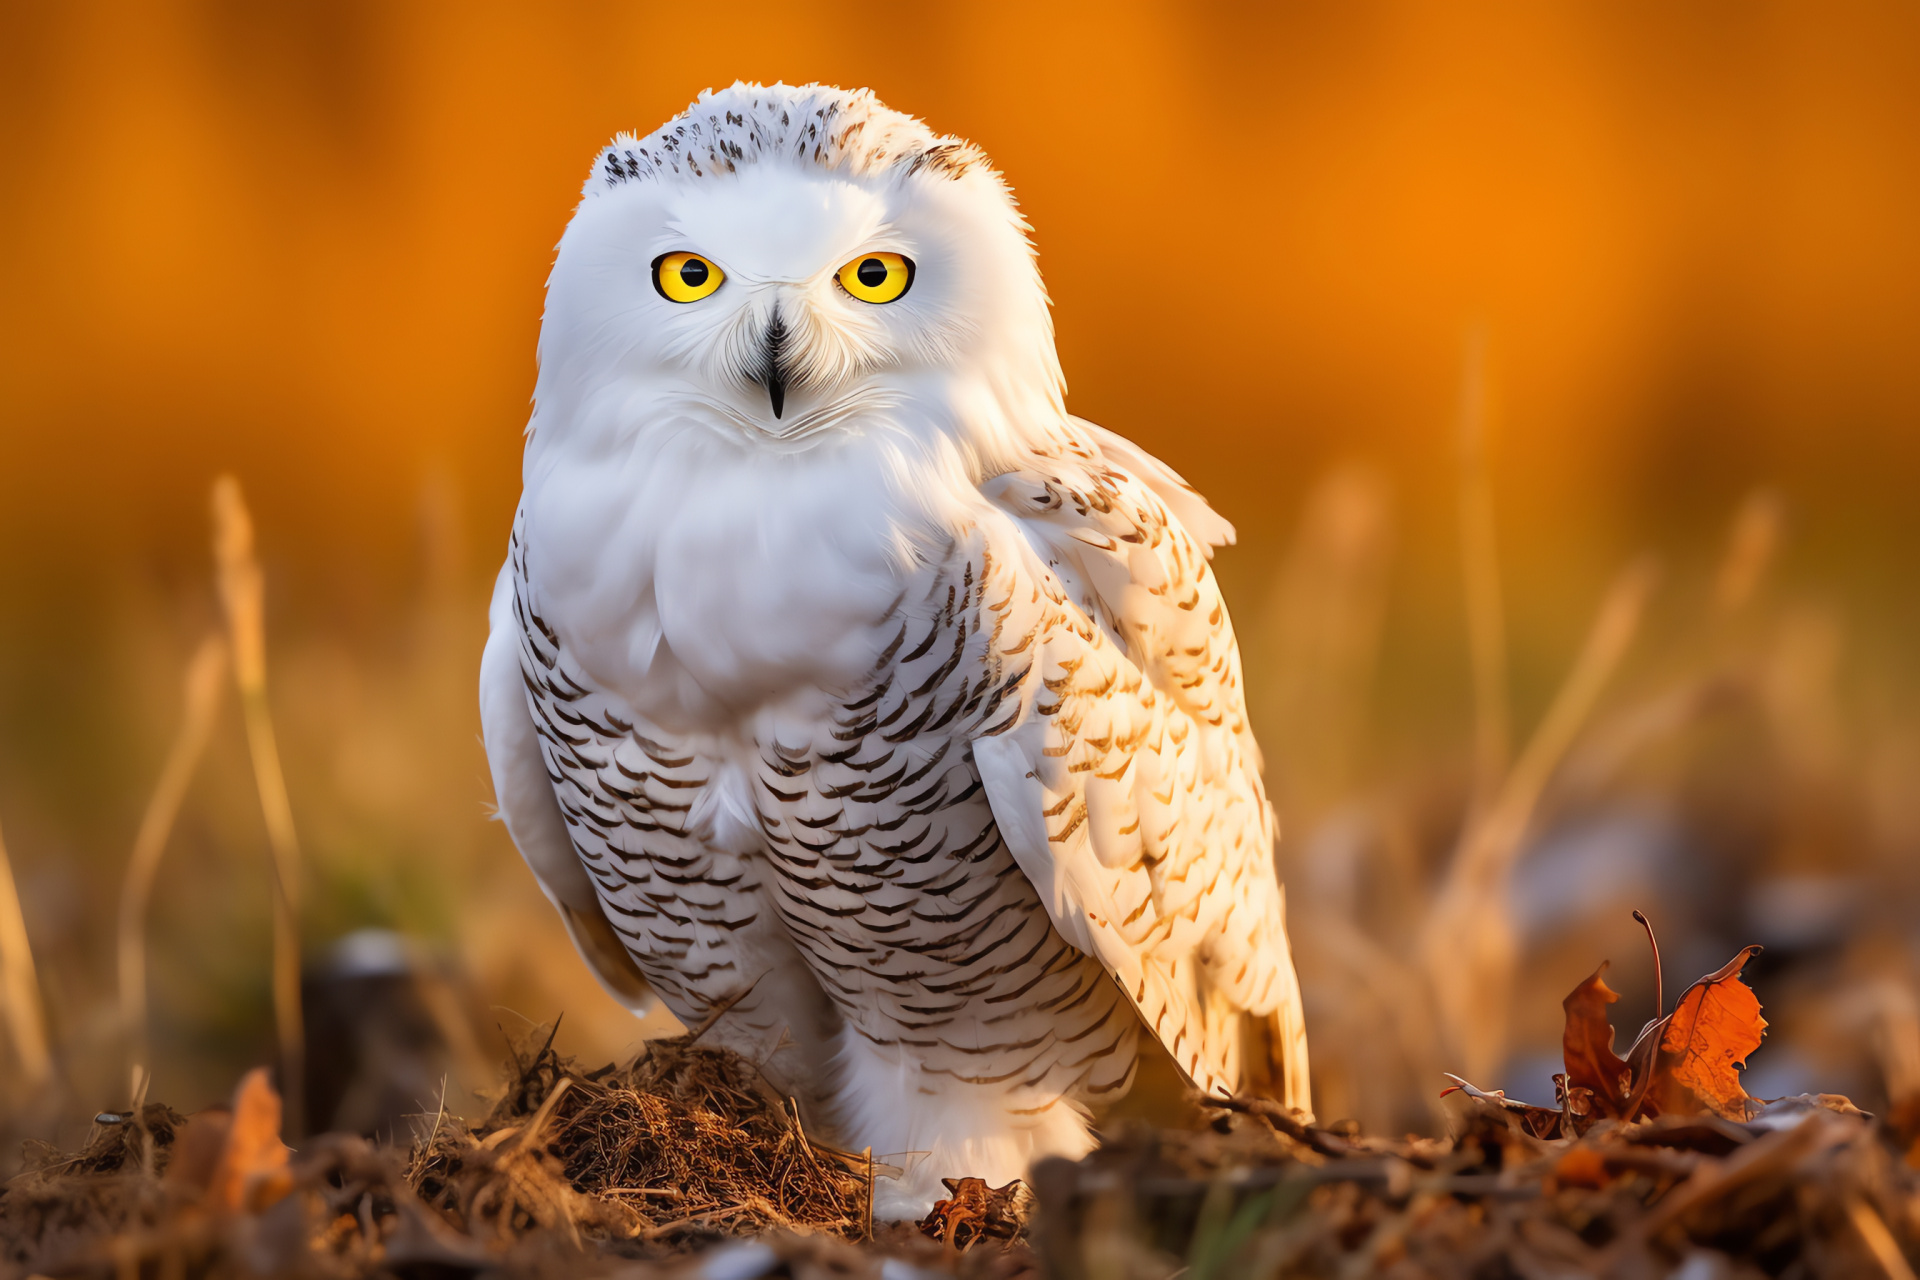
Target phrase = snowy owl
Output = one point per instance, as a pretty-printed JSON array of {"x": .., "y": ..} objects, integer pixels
[{"x": 844, "y": 683}]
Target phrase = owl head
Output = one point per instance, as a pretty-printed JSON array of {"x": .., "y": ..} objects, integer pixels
[{"x": 788, "y": 260}]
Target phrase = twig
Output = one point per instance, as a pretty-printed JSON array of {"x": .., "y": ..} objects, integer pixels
[
  {"x": 530, "y": 1132},
  {"x": 20, "y": 984},
  {"x": 242, "y": 594},
  {"x": 718, "y": 1009},
  {"x": 202, "y": 700},
  {"x": 1281, "y": 1120},
  {"x": 868, "y": 1154},
  {"x": 1749, "y": 1164}
]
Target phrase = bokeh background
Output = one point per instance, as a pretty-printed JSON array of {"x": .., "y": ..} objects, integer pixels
[{"x": 1438, "y": 302}]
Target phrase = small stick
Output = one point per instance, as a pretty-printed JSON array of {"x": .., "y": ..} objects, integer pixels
[
  {"x": 868, "y": 1153},
  {"x": 531, "y": 1132},
  {"x": 718, "y": 1009}
]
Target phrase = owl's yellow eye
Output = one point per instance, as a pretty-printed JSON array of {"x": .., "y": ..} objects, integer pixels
[
  {"x": 877, "y": 277},
  {"x": 685, "y": 277}
]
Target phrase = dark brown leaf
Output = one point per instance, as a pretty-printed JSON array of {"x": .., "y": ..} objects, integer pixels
[
  {"x": 1598, "y": 1083},
  {"x": 975, "y": 1211}
]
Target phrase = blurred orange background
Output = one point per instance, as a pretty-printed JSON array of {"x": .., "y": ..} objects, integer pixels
[{"x": 306, "y": 242}]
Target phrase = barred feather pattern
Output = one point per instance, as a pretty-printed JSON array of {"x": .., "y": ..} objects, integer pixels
[
  {"x": 1041, "y": 814},
  {"x": 882, "y": 862}
]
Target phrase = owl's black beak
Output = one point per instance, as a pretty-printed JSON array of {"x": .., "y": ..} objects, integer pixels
[{"x": 776, "y": 368}]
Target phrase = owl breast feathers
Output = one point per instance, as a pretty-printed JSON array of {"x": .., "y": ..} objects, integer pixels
[{"x": 841, "y": 681}]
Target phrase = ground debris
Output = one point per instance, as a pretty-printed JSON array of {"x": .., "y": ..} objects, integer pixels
[
  {"x": 974, "y": 1211},
  {"x": 685, "y": 1164},
  {"x": 678, "y": 1163},
  {"x": 687, "y": 1142},
  {"x": 1810, "y": 1186}
]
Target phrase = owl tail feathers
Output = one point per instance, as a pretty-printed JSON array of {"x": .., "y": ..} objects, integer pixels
[{"x": 1273, "y": 1058}]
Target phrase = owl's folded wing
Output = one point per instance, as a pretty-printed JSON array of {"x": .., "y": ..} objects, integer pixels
[
  {"x": 1128, "y": 785},
  {"x": 524, "y": 794}
]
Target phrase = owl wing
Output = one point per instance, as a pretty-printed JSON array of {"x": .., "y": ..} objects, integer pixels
[
  {"x": 1128, "y": 785},
  {"x": 523, "y": 791}
]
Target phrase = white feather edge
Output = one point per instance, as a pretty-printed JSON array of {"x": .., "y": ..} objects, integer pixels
[
  {"x": 1070, "y": 881},
  {"x": 1183, "y": 501}
]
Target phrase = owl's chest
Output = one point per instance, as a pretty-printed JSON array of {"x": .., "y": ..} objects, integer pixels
[{"x": 704, "y": 584}]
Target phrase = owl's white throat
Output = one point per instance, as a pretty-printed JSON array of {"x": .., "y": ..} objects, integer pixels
[{"x": 841, "y": 411}]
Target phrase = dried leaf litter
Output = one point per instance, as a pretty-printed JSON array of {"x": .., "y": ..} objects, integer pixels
[{"x": 685, "y": 1163}]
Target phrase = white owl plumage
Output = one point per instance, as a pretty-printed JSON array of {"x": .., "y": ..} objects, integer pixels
[{"x": 837, "y": 671}]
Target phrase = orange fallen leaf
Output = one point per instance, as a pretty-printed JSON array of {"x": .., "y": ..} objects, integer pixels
[
  {"x": 1712, "y": 1029},
  {"x": 1683, "y": 1064},
  {"x": 251, "y": 1172},
  {"x": 1581, "y": 1167},
  {"x": 1598, "y": 1082},
  {"x": 197, "y": 1146}
]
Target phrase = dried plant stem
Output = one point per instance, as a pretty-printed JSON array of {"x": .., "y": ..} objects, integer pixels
[
  {"x": 866, "y": 1154},
  {"x": 1879, "y": 1241},
  {"x": 1495, "y": 845},
  {"x": 1753, "y": 541},
  {"x": 1468, "y": 943},
  {"x": 1480, "y": 566},
  {"x": 20, "y": 984},
  {"x": 286, "y": 905},
  {"x": 242, "y": 593},
  {"x": 1659, "y": 978},
  {"x": 204, "y": 675}
]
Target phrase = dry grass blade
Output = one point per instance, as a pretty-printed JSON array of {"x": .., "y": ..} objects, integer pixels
[
  {"x": 1496, "y": 842},
  {"x": 1325, "y": 616},
  {"x": 687, "y": 1142},
  {"x": 1467, "y": 943},
  {"x": 204, "y": 674},
  {"x": 20, "y": 983},
  {"x": 1879, "y": 1241},
  {"x": 242, "y": 595},
  {"x": 1752, "y": 543},
  {"x": 1480, "y": 565}
]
